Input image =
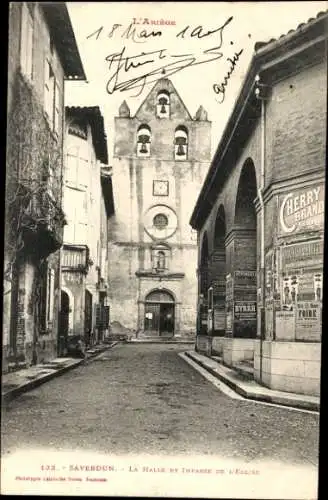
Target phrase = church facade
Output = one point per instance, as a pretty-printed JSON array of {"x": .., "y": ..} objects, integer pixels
[{"x": 161, "y": 157}]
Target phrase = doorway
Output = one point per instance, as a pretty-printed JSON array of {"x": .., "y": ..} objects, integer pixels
[
  {"x": 88, "y": 319},
  {"x": 63, "y": 323},
  {"x": 159, "y": 314}
]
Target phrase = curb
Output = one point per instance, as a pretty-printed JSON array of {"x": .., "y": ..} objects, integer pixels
[
  {"x": 28, "y": 386},
  {"x": 266, "y": 398},
  {"x": 165, "y": 342}
]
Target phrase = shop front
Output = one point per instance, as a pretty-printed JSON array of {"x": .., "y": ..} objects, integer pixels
[{"x": 289, "y": 356}]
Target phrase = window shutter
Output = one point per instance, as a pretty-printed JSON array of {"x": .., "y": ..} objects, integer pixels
[
  {"x": 71, "y": 167},
  {"x": 98, "y": 316},
  {"x": 102, "y": 316},
  {"x": 57, "y": 108},
  {"x": 51, "y": 294},
  {"x": 106, "y": 316},
  {"x": 49, "y": 90},
  {"x": 210, "y": 298},
  {"x": 81, "y": 217}
]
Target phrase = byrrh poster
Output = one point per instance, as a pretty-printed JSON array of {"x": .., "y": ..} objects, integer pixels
[{"x": 154, "y": 151}]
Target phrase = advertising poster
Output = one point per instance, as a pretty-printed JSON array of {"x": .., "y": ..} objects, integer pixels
[
  {"x": 269, "y": 315},
  {"x": 135, "y": 139},
  {"x": 302, "y": 210},
  {"x": 308, "y": 321},
  {"x": 245, "y": 310},
  {"x": 285, "y": 325},
  {"x": 229, "y": 303}
]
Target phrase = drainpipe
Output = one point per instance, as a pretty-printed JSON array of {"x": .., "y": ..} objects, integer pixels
[
  {"x": 259, "y": 94},
  {"x": 61, "y": 347}
]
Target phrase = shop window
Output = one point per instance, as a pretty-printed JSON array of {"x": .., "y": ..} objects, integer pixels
[
  {"x": 181, "y": 143},
  {"x": 143, "y": 141},
  {"x": 163, "y": 104}
]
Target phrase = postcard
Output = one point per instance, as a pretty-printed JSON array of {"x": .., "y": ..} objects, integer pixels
[{"x": 163, "y": 255}]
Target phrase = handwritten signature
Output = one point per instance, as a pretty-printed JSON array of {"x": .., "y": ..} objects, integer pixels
[
  {"x": 166, "y": 63},
  {"x": 221, "y": 87},
  {"x": 121, "y": 63}
]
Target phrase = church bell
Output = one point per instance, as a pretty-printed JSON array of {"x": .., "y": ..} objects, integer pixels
[
  {"x": 180, "y": 142},
  {"x": 162, "y": 101},
  {"x": 144, "y": 139}
]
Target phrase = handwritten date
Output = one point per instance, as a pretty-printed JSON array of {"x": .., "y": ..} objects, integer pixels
[{"x": 159, "y": 63}]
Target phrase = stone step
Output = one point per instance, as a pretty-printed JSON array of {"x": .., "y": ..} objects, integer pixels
[{"x": 246, "y": 371}]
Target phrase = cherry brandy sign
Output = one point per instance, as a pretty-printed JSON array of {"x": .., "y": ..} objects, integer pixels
[{"x": 302, "y": 210}]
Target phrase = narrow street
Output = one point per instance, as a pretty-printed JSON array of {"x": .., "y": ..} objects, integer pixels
[{"x": 145, "y": 399}]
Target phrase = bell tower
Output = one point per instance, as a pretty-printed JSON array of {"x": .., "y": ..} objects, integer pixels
[{"x": 161, "y": 156}]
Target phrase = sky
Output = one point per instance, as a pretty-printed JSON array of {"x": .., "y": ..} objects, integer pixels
[{"x": 225, "y": 32}]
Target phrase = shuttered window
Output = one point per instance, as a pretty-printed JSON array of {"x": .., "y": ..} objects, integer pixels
[
  {"x": 75, "y": 208},
  {"x": 49, "y": 92}
]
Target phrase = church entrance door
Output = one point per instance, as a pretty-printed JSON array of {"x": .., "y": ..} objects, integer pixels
[{"x": 159, "y": 314}]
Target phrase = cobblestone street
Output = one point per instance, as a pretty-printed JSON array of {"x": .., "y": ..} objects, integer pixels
[{"x": 146, "y": 399}]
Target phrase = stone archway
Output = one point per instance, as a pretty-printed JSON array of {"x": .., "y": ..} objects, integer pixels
[
  {"x": 218, "y": 273},
  {"x": 245, "y": 255},
  {"x": 241, "y": 269},
  {"x": 160, "y": 312},
  {"x": 203, "y": 287}
]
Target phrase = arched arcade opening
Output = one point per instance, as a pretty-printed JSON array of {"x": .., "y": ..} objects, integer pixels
[
  {"x": 245, "y": 255},
  {"x": 218, "y": 273},
  {"x": 203, "y": 287}
]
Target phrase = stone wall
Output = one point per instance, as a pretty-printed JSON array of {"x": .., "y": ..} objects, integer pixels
[{"x": 34, "y": 163}]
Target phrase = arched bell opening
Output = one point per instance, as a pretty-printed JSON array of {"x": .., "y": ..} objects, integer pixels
[
  {"x": 181, "y": 143},
  {"x": 143, "y": 140},
  {"x": 163, "y": 104}
]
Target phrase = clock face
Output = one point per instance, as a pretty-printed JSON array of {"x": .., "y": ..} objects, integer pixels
[{"x": 161, "y": 188}]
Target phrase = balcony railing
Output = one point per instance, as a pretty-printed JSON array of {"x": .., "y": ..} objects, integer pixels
[{"x": 76, "y": 258}]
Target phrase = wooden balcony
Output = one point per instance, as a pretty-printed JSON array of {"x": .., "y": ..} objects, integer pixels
[
  {"x": 42, "y": 224},
  {"x": 76, "y": 258}
]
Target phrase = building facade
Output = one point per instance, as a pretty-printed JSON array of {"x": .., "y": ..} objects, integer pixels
[
  {"x": 161, "y": 156},
  {"x": 260, "y": 217},
  {"x": 87, "y": 193},
  {"x": 42, "y": 53}
]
